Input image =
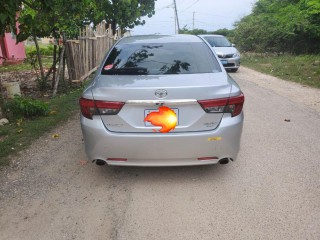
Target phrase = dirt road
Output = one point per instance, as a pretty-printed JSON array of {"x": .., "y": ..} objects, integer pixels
[{"x": 271, "y": 192}]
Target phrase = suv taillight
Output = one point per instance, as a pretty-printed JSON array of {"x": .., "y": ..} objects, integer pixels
[
  {"x": 91, "y": 107},
  {"x": 231, "y": 105}
]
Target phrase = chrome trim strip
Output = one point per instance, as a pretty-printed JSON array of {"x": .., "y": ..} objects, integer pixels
[{"x": 162, "y": 102}]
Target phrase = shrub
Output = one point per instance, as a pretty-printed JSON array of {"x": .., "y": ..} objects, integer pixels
[
  {"x": 46, "y": 50},
  {"x": 25, "y": 107}
]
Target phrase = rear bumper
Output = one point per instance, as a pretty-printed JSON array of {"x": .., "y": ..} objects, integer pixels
[{"x": 162, "y": 149}]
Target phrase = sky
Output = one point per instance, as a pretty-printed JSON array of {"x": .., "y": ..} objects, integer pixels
[{"x": 210, "y": 15}]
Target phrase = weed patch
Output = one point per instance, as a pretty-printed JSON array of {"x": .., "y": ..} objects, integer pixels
[
  {"x": 25, "y": 107},
  {"x": 25, "y": 66},
  {"x": 303, "y": 69},
  {"x": 46, "y": 50},
  {"x": 21, "y": 132}
]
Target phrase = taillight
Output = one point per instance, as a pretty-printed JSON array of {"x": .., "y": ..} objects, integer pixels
[
  {"x": 231, "y": 105},
  {"x": 91, "y": 107},
  {"x": 88, "y": 108},
  {"x": 109, "y": 108},
  {"x": 235, "y": 105},
  {"x": 214, "y": 105}
]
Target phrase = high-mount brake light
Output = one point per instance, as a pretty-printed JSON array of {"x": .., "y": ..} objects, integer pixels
[
  {"x": 231, "y": 105},
  {"x": 91, "y": 107}
]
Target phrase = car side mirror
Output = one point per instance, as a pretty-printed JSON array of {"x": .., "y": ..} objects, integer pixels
[{"x": 233, "y": 45}]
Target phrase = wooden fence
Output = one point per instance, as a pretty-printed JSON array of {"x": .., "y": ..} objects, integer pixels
[{"x": 83, "y": 56}]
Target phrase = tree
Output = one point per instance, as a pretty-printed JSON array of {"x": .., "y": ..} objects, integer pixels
[
  {"x": 123, "y": 13},
  {"x": 224, "y": 31},
  {"x": 8, "y": 11},
  {"x": 50, "y": 19},
  {"x": 47, "y": 17},
  {"x": 64, "y": 18},
  {"x": 287, "y": 26},
  {"x": 195, "y": 31}
]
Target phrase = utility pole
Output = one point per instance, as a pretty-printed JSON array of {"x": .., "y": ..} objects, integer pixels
[
  {"x": 193, "y": 21},
  {"x": 176, "y": 16},
  {"x": 175, "y": 22}
]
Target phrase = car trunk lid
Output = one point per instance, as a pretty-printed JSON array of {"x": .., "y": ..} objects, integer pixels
[{"x": 146, "y": 93}]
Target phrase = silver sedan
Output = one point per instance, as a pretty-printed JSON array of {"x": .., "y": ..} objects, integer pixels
[
  {"x": 161, "y": 101},
  {"x": 227, "y": 53}
]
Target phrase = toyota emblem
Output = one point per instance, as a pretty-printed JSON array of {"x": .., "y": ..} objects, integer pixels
[{"x": 161, "y": 93}]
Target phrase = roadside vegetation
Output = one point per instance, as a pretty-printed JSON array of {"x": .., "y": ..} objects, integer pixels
[
  {"x": 30, "y": 119},
  {"x": 24, "y": 66},
  {"x": 303, "y": 69},
  {"x": 280, "y": 38},
  {"x": 58, "y": 97},
  {"x": 45, "y": 50},
  {"x": 283, "y": 40},
  {"x": 287, "y": 26},
  {"x": 64, "y": 20}
]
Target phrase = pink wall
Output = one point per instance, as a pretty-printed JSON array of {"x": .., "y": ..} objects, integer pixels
[
  {"x": 14, "y": 51},
  {"x": 1, "y": 55},
  {"x": 10, "y": 50}
]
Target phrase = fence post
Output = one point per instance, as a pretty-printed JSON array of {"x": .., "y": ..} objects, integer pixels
[{"x": 85, "y": 54}]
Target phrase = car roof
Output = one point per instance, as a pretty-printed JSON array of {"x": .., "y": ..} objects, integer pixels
[
  {"x": 160, "y": 39},
  {"x": 210, "y": 35}
]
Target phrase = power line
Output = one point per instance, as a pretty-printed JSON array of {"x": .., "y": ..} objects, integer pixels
[
  {"x": 190, "y": 6},
  {"x": 162, "y": 8},
  {"x": 214, "y": 15}
]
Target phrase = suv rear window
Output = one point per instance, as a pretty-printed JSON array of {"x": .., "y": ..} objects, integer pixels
[{"x": 158, "y": 59}]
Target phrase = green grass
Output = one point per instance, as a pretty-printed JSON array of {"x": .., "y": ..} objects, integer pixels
[
  {"x": 46, "y": 52},
  {"x": 11, "y": 141},
  {"x": 303, "y": 69},
  {"x": 25, "y": 66}
]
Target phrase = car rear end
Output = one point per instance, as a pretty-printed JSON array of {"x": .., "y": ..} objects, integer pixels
[{"x": 141, "y": 74}]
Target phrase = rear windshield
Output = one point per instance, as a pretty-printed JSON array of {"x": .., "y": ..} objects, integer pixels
[
  {"x": 156, "y": 59},
  {"x": 218, "y": 41}
]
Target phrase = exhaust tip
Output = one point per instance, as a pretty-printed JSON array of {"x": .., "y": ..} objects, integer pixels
[
  {"x": 224, "y": 161},
  {"x": 100, "y": 162}
]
